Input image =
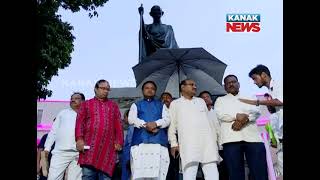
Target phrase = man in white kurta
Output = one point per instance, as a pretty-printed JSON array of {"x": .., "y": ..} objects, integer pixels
[
  {"x": 222, "y": 168},
  {"x": 239, "y": 134},
  {"x": 65, "y": 154},
  {"x": 197, "y": 139},
  {"x": 206, "y": 96}
]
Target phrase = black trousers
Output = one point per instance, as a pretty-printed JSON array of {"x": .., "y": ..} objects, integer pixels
[{"x": 255, "y": 155}]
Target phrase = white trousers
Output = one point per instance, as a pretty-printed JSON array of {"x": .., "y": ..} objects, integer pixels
[
  {"x": 60, "y": 161},
  {"x": 210, "y": 171},
  {"x": 149, "y": 162}
]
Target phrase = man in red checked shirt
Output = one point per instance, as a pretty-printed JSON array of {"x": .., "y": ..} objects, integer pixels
[{"x": 98, "y": 134}]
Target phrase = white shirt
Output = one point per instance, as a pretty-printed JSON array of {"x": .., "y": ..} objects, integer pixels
[
  {"x": 217, "y": 125},
  {"x": 274, "y": 121},
  {"x": 196, "y": 133},
  {"x": 138, "y": 123},
  {"x": 226, "y": 108},
  {"x": 63, "y": 132},
  {"x": 276, "y": 91}
]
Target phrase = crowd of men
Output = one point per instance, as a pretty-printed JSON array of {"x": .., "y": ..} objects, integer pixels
[{"x": 163, "y": 138}]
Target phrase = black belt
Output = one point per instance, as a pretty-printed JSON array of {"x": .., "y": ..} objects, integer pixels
[{"x": 280, "y": 140}]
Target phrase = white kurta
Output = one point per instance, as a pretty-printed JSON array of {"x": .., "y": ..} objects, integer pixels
[
  {"x": 64, "y": 154},
  {"x": 217, "y": 125},
  {"x": 196, "y": 133},
  {"x": 63, "y": 132},
  {"x": 226, "y": 108}
]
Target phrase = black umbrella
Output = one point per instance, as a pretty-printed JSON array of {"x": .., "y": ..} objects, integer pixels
[{"x": 168, "y": 67}]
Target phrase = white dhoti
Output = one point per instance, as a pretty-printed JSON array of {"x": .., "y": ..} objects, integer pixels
[{"x": 149, "y": 161}]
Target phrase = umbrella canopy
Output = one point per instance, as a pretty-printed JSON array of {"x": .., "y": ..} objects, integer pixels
[{"x": 168, "y": 67}]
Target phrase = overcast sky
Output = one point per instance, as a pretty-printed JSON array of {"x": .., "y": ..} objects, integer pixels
[{"x": 107, "y": 47}]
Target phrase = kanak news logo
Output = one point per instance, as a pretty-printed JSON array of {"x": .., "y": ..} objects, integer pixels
[{"x": 243, "y": 23}]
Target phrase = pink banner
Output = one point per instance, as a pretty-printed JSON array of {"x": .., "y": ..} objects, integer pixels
[
  {"x": 44, "y": 127},
  {"x": 65, "y": 101},
  {"x": 262, "y": 121},
  {"x": 265, "y": 137},
  {"x": 271, "y": 172}
]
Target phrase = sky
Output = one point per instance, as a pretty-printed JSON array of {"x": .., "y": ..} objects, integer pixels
[{"x": 106, "y": 47}]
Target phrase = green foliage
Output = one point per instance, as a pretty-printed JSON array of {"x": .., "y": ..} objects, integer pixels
[{"x": 55, "y": 40}]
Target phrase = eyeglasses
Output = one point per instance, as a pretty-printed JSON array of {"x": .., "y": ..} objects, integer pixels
[
  {"x": 191, "y": 84},
  {"x": 104, "y": 88}
]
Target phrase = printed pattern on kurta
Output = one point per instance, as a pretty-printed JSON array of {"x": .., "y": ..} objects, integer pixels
[{"x": 99, "y": 124}]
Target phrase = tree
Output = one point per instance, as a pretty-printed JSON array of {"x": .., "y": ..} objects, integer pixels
[{"x": 55, "y": 40}]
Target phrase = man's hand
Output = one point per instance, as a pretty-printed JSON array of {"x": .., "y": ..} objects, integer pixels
[
  {"x": 117, "y": 147},
  {"x": 173, "y": 151},
  {"x": 140, "y": 124},
  {"x": 80, "y": 145},
  {"x": 271, "y": 109},
  {"x": 273, "y": 145},
  {"x": 46, "y": 153},
  {"x": 38, "y": 168},
  {"x": 150, "y": 126},
  {"x": 243, "y": 118},
  {"x": 44, "y": 163},
  {"x": 248, "y": 101},
  {"x": 237, "y": 125}
]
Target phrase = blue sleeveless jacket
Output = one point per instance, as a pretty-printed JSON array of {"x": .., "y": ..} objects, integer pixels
[{"x": 150, "y": 110}]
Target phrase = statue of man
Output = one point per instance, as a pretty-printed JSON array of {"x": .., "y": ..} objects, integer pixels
[{"x": 155, "y": 35}]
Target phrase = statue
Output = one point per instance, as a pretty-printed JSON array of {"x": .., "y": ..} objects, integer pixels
[{"x": 156, "y": 35}]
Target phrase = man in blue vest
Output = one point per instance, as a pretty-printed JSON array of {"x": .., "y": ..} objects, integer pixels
[{"x": 149, "y": 153}]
